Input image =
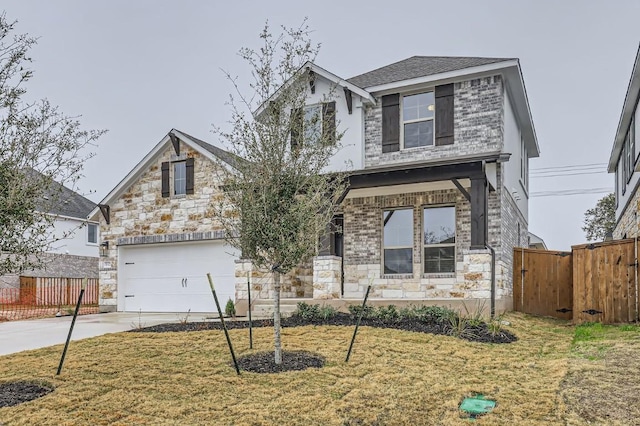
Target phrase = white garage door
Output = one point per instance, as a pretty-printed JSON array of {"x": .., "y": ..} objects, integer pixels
[{"x": 172, "y": 277}]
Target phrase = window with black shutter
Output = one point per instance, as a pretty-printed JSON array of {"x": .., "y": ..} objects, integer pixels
[{"x": 391, "y": 123}]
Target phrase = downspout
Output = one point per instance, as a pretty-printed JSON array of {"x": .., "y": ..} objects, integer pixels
[{"x": 493, "y": 280}]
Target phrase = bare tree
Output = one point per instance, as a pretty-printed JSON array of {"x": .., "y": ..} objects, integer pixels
[
  {"x": 278, "y": 200},
  {"x": 40, "y": 149}
]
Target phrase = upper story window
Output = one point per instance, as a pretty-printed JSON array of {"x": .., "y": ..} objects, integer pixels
[
  {"x": 180, "y": 178},
  {"x": 418, "y": 120},
  {"x": 439, "y": 233},
  {"x": 312, "y": 123},
  {"x": 524, "y": 164},
  {"x": 418, "y": 113},
  {"x": 398, "y": 241},
  {"x": 92, "y": 233}
]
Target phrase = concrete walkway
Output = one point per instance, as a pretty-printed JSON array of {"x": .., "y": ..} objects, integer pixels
[{"x": 17, "y": 336}]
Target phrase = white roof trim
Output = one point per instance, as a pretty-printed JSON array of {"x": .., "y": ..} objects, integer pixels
[
  {"x": 630, "y": 101},
  {"x": 145, "y": 162},
  {"x": 365, "y": 95}
]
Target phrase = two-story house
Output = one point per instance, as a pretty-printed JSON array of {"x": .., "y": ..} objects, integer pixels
[
  {"x": 437, "y": 149},
  {"x": 624, "y": 160}
]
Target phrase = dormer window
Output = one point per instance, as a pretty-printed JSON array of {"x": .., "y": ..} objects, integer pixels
[{"x": 418, "y": 114}]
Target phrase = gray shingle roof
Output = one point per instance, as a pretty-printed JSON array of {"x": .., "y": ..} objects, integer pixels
[
  {"x": 226, "y": 156},
  {"x": 60, "y": 200},
  {"x": 419, "y": 66}
]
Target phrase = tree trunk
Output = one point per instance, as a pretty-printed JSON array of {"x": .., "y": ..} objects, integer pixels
[{"x": 277, "y": 343}]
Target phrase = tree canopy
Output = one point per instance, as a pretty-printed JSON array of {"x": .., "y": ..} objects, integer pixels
[
  {"x": 600, "y": 220},
  {"x": 40, "y": 149}
]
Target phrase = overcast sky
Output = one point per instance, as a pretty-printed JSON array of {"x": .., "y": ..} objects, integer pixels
[{"x": 140, "y": 68}]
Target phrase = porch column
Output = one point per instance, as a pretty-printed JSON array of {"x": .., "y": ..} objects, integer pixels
[{"x": 479, "y": 212}]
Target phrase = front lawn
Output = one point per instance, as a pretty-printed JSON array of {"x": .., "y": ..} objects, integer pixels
[{"x": 393, "y": 378}]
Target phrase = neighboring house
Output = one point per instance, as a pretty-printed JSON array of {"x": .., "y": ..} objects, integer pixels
[
  {"x": 536, "y": 242},
  {"x": 624, "y": 160},
  {"x": 74, "y": 251},
  {"x": 438, "y": 150}
]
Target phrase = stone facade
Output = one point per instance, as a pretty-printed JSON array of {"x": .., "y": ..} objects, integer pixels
[
  {"x": 141, "y": 215},
  {"x": 627, "y": 226},
  {"x": 298, "y": 283},
  {"x": 478, "y": 126}
]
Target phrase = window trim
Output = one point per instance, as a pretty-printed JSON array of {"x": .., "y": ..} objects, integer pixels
[
  {"x": 89, "y": 243},
  {"x": 383, "y": 247},
  {"x": 454, "y": 244},
  {"x": 418, "y": 120}
]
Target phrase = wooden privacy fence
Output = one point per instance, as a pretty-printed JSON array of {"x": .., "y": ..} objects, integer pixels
[
  {"x": 592, "y": 283},
  {"x": 57, "y": 291},
  {"x": 542, "y": 282}
]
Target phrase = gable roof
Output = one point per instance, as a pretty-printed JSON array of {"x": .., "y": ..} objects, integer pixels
[
  {"x": 327, "y": 75},
  {"x": 207, "y": 150},
  {"x": 71, "y": 204},
  {"x": 628, "y": 107},
  {"x": 419, "y": 66},
  {"x": 67, "y": 202}
]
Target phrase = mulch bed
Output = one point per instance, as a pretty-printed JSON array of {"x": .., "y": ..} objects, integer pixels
[
  {"x": 264, "y": 362},
  {"x": 479, "y": 333},
  {"x": 14, "y": 393}
]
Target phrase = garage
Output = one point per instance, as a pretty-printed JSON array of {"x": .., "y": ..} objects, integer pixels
[{"x": 172, "y": 277}]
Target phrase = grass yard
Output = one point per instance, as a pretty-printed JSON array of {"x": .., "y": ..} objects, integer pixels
[{"x": 393, "y": 378}]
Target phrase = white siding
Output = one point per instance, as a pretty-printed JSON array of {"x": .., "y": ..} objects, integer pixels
[
  {"x": 512, "y": 170},
  {"x": 351, "y": 153},
  {"x": 76, "y": 241}
]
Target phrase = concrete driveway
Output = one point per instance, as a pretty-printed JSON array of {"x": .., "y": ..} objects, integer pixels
[{"x": 17, "y": 336}]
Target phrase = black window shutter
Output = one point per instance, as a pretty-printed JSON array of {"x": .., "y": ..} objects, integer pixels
[
  {"x": 391, "y": 123},
  {"x": 165, "y": 179},
  {"x": 329, "y": 122},
  {"x": 297, "y": 118},
  {"x": 190, "y": 175},
  {"x": 444, "y": 114}
]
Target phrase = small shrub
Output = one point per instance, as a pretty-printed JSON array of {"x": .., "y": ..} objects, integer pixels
[
  {"x": 458, "y": 326},
  {"x": 431, "y": 314},
  {"x": 369, "y": 311},
  {"x": 495, "y": 325},
  {"x": 230, "y": 309},
  {"x": 474, "y": 317},
  {"x": 184, "y": 319},
  {"x": 326, "y": 312},
  {"x": 307, "y": 312},
  {"x": 387, "y": 313}
]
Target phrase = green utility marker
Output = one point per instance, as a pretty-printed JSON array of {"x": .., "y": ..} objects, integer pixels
[{"x": 477, "y": 405}]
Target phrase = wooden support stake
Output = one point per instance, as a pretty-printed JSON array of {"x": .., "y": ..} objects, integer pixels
[
  {"x": 224, "y": 326},
  {"x": 73, "y": 322}
]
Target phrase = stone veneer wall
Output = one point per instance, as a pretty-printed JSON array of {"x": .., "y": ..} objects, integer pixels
[
  {"x": 363, "y": 249},
  {"x": 628, "y": 223},
  {"x": 298, "y": 283},
  {"x": 142, "y": 215},
  {"x": 510, "y": 218},
  {"x": 478, "y": 126}
]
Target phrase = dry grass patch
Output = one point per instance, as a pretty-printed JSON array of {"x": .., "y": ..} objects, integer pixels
[
  {"x": 393, "y": 378},
  {"x": 603, "y": 384}
]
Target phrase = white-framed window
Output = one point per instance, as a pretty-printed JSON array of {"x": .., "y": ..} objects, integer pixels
[
  {"x": 92, "y": 233},
  {"x": 418, "y": 116},
  {"x": 397, "y": 241},
  {"x": 180, "y": 178},
  {"x": 524, "y": 164},
  {"x": 313, "y": 123},
  {"x": 439, "y": 239}
]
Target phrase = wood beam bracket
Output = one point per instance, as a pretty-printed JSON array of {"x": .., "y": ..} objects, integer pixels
[
  {"x": 461, "y": 189},
  {"x": 175, "y": 142},
  {"x": 106, "y": 212},
  {"x": 348, "y": 96}
]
